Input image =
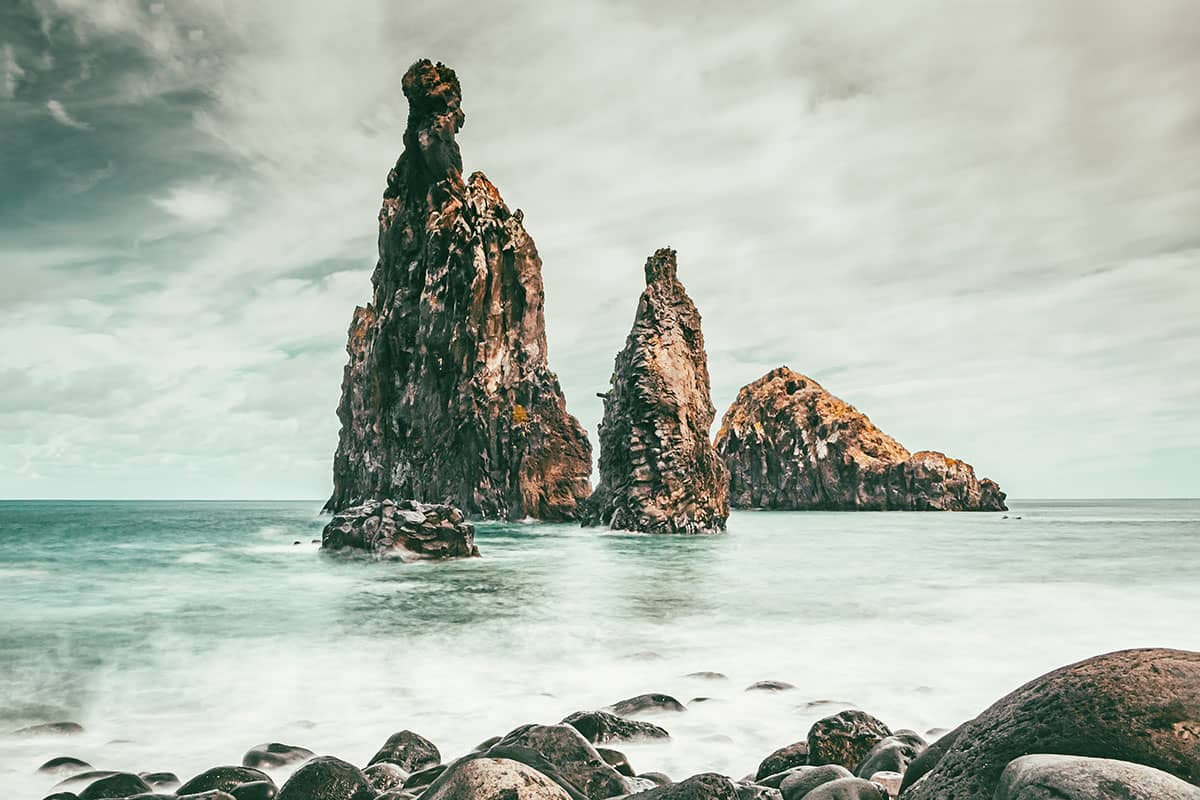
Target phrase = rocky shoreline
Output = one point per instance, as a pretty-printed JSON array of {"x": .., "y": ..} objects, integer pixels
[{"x": 1120, "y": 725}]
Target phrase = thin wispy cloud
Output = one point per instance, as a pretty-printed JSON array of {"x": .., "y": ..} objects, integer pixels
[
  {"x": 63, "y": 117},
  {"x": 976, "y": 223}
]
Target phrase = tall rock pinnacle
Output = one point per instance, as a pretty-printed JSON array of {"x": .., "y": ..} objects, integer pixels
[
  {"x": 447, "y": 396},
  {"x": 658, "y": 470},
  {"x": 789, "y": 444}
]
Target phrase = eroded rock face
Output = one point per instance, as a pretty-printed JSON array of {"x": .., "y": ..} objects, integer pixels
[
  {"x": 406, "y": 530},
  {"x": 789, "y": 444},
  {"x": 1141, "y": 706},
  {"x": 658, "y": 470},
  {"x": 1038, "y": 777},
  {"x": 448, "y": 396}
]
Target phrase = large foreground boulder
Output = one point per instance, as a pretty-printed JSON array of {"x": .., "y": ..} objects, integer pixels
[
  {"x": 494, "y": 779},
  {"x": 448, "y": 395},
  {"x": 659, "y": 472},
  {"x": 789, "y": 444},
  {"x": 1045, "y": 777},
  {"x": 407, "y": 530},
  {"x": 1141, "y": 706}
]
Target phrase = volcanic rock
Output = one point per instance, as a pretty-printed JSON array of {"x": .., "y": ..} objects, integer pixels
[
  {"x": 572, "y": 756},
  {"x": 705, "y": 786},
  {"x": 1038, "y": 777},
  {"x": 786, "y": 757},
  {"x": 844, "y": 738},
  {"x": 448, "y": 396},
  {"x": 494, "y": 779},
  {"x": 407, "y": 530},
  {"x": 327, "y": 778},
  {"x": 599, "y": 727},
  {"x": 410, "y": 751},
  {"x": 659, "y": 472},
  {"x": 224, "y": 779},
  {"x": 1141, "y": 706},
  {"x": 789, "y": 444},
  {"x": 120, "y": 784}
]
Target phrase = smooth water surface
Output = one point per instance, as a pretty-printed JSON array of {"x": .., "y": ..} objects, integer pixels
[{"x": 181, "y": 634}]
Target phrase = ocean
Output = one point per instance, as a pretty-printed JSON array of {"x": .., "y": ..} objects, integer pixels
[{"x": 180, "y": 634}]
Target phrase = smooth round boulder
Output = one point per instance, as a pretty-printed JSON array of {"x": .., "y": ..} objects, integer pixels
[
  {"x": 493, "y": 779},
  {"x": 81, "y": 779},
  {"x": 889, "y": 781},
  {"x": 646, "y": 703},
  {"x": 705, "y": 786},
  {"x": 890, "y": 754},
  {"x": 802, "y": 780},
  {"x": 747, "y": 790},
  {"x": 385, "y": 776},
  {"x": 119, "y": 784},
  {"x": 657, "y": 778},
  {"x": 844, "y": 738},
  {"x": 211, "y": 794},
  {"x": 617, "y": 760},
  {"x": 708, "y": 675},
  {"x": 327, "y": 778},
  {"x": 770, "y": 686},
  {"x": 409, "y": 751},
  {"x": 50, "y": 729},
  {"x": 160, "y": 780},
  {"x": 255, "y": 790},
  {"x": 422, "y": 778},
  {"x": 1141, "y": 706},
  {"x": 848, "y": 789},
  {"x": 776, "y": 780},
  {"x": 222, "y": 779},
  {"x": 275, "y": 754},
  {"x": 61, "y": 796},
  {"x": 64, "y": 765},
  {"x": 786, "y": 757},
  {"x": 599, "y": 727},
  {"x": 572, "y": 756},
  {"x": 1040, "y": 777}
]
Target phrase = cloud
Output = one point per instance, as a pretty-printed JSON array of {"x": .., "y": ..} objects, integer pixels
[
  {"x": 196, "y": 205},
  {"x": 975, "y": 223},
  {"x": 63, "y": 118},
  {"x": 11, "y": 73}
]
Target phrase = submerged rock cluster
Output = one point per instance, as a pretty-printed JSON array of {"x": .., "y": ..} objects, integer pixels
[
  {"x": 1121, "y": 726},
  {"x": 789, "y": 444},
  {"x": 659, "y": 472},
  {"x": 407, "y": 530},
  {"x": 448, "y": 396}
]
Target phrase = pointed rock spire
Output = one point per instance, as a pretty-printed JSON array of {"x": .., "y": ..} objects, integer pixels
[
  {"x": 658, "y": 470},
  {"x": 448, "y": 396}
]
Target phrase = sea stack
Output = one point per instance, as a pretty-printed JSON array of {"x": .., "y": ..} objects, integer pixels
[
  {"x": 789, "y": 444},
  {"x": 659, "y": 472},
  {"x": 448, "y": 396}
]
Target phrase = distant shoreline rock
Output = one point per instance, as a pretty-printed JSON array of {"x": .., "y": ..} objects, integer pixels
[
  {"x": 791, "y": 445},
  {"x": 407, "y": 530},
  {"x": 659, "y": 472}
]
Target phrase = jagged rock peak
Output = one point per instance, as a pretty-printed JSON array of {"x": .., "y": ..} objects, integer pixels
[
  {"x": 448, "y": 396},
  {"x": 659, "y": 472},
  {"x": 790, "y": 444}
]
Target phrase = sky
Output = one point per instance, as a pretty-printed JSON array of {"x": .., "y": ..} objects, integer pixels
[{"x": 977, "y": 222}]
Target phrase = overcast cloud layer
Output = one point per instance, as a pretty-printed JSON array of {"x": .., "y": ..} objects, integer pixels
[{"x": 977, "y": 222}]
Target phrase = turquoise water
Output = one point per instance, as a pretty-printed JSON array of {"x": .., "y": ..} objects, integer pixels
[{"x": 180, "y": 634}]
